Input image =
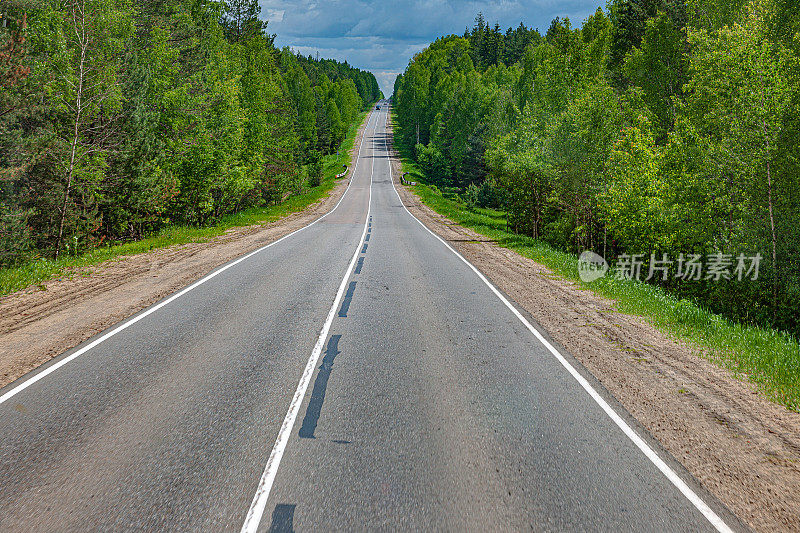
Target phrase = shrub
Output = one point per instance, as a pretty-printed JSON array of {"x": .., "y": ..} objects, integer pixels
[{"x": 314, "y": 168}]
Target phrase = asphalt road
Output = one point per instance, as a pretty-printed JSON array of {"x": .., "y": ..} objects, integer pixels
[{"x": 356, "y": 375}]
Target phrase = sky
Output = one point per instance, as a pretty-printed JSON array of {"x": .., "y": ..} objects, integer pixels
[{"x": 383, "y": 36}]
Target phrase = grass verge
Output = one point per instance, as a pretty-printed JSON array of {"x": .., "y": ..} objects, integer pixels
[
  {"x": 39, "y": 271},
  {"x": 768, "y": 357}
]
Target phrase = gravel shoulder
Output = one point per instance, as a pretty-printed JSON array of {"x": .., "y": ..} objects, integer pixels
[
  {"x": 743, "y": 448},
  {"x": 37, "y": 325}
]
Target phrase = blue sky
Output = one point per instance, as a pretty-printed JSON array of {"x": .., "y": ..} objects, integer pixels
[{"x": 382, "y": 36}]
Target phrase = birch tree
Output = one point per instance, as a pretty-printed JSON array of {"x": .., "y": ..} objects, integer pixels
[
  {"x": 740, "y": 93},
  {"x": 86, "y": 94}
]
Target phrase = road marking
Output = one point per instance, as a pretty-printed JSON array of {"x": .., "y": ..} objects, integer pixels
[
  {"x": 314, "y": 409},
  {"x": 52, "y": 368},
  {"x": 256, "y": 511},
  {"x": 348, "y": 298},
  {"x": 665, "y": 469}
]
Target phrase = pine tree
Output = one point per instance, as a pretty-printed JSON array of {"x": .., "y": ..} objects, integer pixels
[{"x": 240, "y": 20}]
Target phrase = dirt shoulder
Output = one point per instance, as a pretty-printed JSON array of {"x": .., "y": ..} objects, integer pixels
[
  {"x": 743, "y": 448},
  {"x": 37, "y": 325}
]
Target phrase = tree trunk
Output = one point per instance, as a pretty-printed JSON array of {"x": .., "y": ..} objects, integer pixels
[
  {"x": 80, "y": 32},
  {"x": 774, "y": 246},
  {"x": 771, "y": 225}
]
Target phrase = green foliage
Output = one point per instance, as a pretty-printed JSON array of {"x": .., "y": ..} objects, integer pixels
[
  {"x": 487, "y": 194},
  {"x": 742, "y": 93},
  {"x": 658, "y": 66},
  {"x": 314, "y": 168},
  {"x": 326, "y": 96},
  {"x": 116, "y": 122},
  {"x": 630, "y": 19},
  {"x": 240, "y": 20},
  {"x": 666, "y": 126},
  {"x": 15, "y": 235},
  {"x": 634, "y": 204}
]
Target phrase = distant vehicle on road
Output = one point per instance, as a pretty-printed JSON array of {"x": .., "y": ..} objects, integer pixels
[{"x": 377, "y": 107}]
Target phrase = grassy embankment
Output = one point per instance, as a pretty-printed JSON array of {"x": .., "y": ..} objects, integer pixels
[
  {"x": 769, "y": 358},
  {"x": 38, "y": 271}
]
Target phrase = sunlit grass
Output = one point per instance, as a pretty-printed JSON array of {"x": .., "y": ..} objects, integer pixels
[
  {"x": 769, "y": 358},
  {"x": 39, "y": 271}
]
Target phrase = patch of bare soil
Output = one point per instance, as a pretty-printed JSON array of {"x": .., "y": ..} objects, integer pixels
[
  {"x": 743, "y": 448},
  {"x": 37, "y": 325}
]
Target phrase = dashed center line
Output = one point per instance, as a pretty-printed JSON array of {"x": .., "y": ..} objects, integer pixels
[
  {"x": 348, "y": 297},
  {"x": 256, "y": 511}
]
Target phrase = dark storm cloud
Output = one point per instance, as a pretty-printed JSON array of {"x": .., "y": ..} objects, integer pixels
[{"x": 382, "y": 36}]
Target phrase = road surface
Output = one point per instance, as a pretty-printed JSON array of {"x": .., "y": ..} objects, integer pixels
[{"x": 357, "y": 374}]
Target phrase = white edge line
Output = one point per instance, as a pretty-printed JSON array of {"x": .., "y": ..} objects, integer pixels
[
  {"x": 52, "y": 368},
  {"x": 256, "y": 511},
  {"x": 665, "y": 469}
]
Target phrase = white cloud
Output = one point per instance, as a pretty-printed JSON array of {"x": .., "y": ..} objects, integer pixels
[
  {"x": 382, "y": 36},
  {"x": 275, "y": 15}
]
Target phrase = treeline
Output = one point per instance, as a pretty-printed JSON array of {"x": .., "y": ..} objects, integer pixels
[
  {"x": 659, "y": 127},
  {"x": 120, "y": 117},
  {"x": 327, "y": 97}
]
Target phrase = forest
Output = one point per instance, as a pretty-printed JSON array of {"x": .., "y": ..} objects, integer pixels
[
  {"x": 660, "y": 129},
  {"x": 121, "y": 117}
]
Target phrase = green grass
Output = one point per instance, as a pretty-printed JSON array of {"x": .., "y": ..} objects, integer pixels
[
  {"x": 38, "y": 272},
  {"x": 769, "y": 358}
]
